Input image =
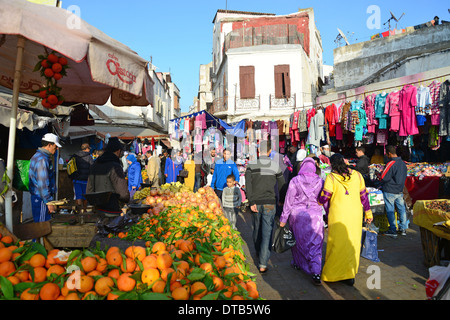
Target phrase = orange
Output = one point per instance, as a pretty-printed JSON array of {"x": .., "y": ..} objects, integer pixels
[
  {"x": 114, "y": 259},
  {"x": 65, "y": 289},
  {"x": 219, "y": 262},
  {"x": 102, "y": 264},
  {"x": 38, "y": 260},
  {"x": 6, "y": 268},
  {"x": 5, "y": 254},
  {"x": 218, "y": 283},
  {"x": 198, "y": 289},
  {"x": 181, "y": 293},
  {"x": 165, "y": 274},
  {"x": 72, "y": 296},
  {"x": 56, "y": 268},
  {"x": 89, "y": 295},
  {"x": 186, "y": 246},
  {"x": 86, "y": 284},
  {"x": 129, "y": 265},
  {"x": 15, "y": 279},
  {"x": 51, "y": 258},
  {"x": 149, "y": 262},
  {"x": 149, "y": 276},
  {"x": 253, "y": 293},
  {"x": 251, "y": 285},
  {"x": 23, "y": 275},
  {"x": 111, "y": 250},
  {"x": 26, "y": 295},
  {"x": 207, "y": 267},
  {"x": 49, "y": 291},
  {"x": 158, "y": 247},
  {"x": 103, "y": 285},
  {"x": 88, "y": 264},
  {"x": 40, "y": 274},
  {"x": 114, "y": 273},
  {"x": 164, "y": 260},
  {"x": 112, "y": 296},
  {"x": 7, "y": 239},
  {"x": 136, "y": 252},
  {"x": 159, "y": 286},
  {"x": 174, "y": 285},
  {"x": 125, "y": 282}
]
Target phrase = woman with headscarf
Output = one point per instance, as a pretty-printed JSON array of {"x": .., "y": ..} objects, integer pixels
[
  {"x": 305, "y": 217},
  {"x": 345, "y": 194},
  {"x": 134, "y": 174}
]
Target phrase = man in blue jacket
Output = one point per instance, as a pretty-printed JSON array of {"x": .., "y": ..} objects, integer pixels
[
  {"x": 222, "y": 169},
  {"x": 393, "y": 179},
  {"x": 42, "y": 178}
]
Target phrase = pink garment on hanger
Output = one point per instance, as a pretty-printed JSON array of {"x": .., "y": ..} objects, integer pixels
[
  {"x": 407, "y": 108},
  {"x": 369, "y": 103},
  {"x": 391, "y": 108}
]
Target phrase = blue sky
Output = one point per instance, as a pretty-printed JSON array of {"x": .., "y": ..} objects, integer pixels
[{"x": 177, "y": 34}]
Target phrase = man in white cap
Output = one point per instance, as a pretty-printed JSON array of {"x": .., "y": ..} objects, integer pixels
[{"x": 42, "y": 178}]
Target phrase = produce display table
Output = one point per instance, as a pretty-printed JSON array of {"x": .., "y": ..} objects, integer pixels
[{"x": 426, "y": 213}]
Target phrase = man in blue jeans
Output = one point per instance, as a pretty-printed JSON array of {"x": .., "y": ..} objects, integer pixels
[
  {"x": 393, "y": 181},
  {"x": 261, "y": 177}
]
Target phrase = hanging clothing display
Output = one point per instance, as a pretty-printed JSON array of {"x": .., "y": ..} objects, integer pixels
[
  {"x": 391, "y": 109},
  {"x": 369, "y": 105},
  {"x": 423, "y": 104},
  {"x": 435, "y": 89},
  {"x": 444, "y": 109},
  {"x": 380, "y": 102},
  {"x": 407, "y": 107}
]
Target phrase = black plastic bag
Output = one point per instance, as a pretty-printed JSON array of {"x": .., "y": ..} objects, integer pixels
[
  {"x": 283, "y": 238},
  {"x": 117, "y": 224}
]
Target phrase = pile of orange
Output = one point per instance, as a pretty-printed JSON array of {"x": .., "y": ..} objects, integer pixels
[{"x": 189, "y": 254}]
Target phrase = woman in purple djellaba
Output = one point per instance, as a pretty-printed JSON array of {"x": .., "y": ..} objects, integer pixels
[{"x": 305, "y": 216}]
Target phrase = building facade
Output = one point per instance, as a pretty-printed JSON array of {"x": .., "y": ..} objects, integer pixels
[{"x": 263, "y": 65}]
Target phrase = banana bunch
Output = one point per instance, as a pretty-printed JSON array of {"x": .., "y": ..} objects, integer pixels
[
  {"x": 175, "y": 187},
  {"x": 142, "y": 193}
]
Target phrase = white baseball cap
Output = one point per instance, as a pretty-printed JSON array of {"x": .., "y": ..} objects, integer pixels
[{"x": 50, "y": 137}]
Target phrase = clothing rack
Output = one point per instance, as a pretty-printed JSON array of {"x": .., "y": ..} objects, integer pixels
[{"x": 365, "y": 93}]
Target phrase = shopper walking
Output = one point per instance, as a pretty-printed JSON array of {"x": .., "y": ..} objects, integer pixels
[
  {"x": 84, "y": 161},
  {"x": 305, "y": 216},
  {"x": 393, "y": 181},
  {"x": 261, "y": 177},
  {"x": 231, "y": 200},
  {"x": 134, "y": 174},
  {"x": 222, "y": 169},
  {"x": 42, "y": 178},
  {"x": 153, "y": 168},
  {"x": 344, "y": 193}
]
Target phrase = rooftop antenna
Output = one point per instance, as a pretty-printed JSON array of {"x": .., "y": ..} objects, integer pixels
[
  {"x": 341, "y": 36},
  {"x": 393, "y": 17}
]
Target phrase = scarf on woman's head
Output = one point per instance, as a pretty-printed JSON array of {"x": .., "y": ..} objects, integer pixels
[{"x": 309, "y": 181}]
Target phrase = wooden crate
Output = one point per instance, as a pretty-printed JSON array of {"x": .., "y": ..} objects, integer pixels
[
  {"x": 72, "y": 236},
  {"x": 431, "y": 248}
]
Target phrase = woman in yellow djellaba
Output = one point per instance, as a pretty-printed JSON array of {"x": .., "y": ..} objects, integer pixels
[{"x": 345, "y": 198}]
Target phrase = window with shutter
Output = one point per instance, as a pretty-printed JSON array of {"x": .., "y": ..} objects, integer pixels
[
  {"x": 247, "y": 82},
  {"x": 282, "y": 81}
]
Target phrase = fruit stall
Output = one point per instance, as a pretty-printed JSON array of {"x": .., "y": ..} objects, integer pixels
[{"x": 181, "y": 248}]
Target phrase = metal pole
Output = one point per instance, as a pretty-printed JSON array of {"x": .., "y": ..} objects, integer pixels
[{"x": 12, "y": 131}]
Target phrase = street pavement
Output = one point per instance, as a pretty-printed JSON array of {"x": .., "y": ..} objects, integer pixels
[{"x": 401, "y": 268}]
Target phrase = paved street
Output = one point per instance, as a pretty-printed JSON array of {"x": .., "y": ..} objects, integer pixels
[{"x": 402, "y": 268}]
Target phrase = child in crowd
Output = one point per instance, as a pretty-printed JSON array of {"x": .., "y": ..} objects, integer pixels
[{"x": 231, "y": 200}]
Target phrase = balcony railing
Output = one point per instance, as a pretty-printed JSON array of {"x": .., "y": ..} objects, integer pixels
[
  {"x": 219, "y": 105},
  {"x": 282, "y": 103},
  {"x": 253, "y": 104}
]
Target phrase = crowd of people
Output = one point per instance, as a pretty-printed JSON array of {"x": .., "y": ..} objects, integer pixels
[{"x": 292, "y": 187}]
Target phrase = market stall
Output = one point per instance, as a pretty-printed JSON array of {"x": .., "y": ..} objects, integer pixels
[
  {"x": 92, "y": 59},
  {"x": 433, "y": 218}
]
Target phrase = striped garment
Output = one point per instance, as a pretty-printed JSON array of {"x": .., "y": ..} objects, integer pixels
[{"x": 41, "y": 175}]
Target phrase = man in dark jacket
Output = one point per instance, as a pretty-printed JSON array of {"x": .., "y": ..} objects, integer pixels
[
  {"x": 261, "y": 177},
  {"x": 393, "y": 181},
  {"x": 362, "y": 164},
  {"x": 84, "y": 161},
  {"x": 107, "y": 175}
]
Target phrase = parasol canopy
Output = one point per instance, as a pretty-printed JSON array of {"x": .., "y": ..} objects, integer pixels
[{"x": 100, "y": 68}]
